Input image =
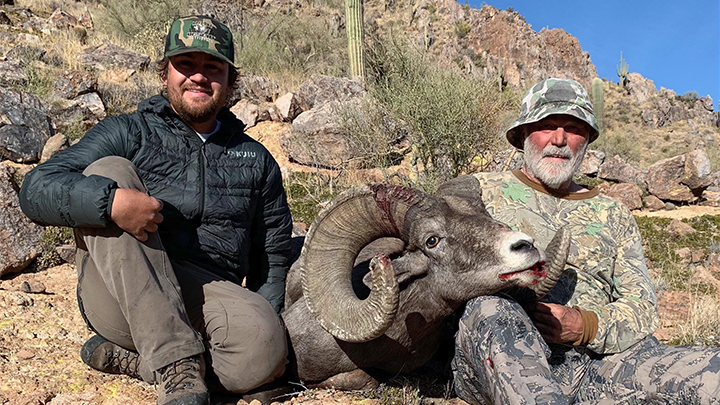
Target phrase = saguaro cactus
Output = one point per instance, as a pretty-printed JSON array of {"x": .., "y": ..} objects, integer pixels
[
  {"x": 597, "y": 101},
  {"x": 622, "y": 71},
  {"x": 355, "y": 34}
]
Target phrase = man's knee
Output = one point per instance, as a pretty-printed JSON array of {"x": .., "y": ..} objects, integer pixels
[
  {"x": 253, "y": 349},
  {"x": 117, "y": 168}
]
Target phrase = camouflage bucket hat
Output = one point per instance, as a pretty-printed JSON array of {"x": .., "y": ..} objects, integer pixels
[
  {"x": 200, "y": 33},
  {"x": 549, "y": 97}
]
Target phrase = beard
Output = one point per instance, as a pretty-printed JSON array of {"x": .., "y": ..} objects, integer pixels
[
  {"x": 552, "y": 174},
  {"x": 196, "y": 112}
]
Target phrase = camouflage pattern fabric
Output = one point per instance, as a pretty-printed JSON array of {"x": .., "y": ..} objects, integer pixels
[
  {"x": 501, "y": 358},
  {"x": 553, "y": 96},
  {"x": 200, "y": 34},
  {"x": 606, "y": 271}
]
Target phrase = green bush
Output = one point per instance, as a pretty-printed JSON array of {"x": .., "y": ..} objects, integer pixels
[
  {"x": 451, "y": 119},
  {"x": 461, "y": 29}
]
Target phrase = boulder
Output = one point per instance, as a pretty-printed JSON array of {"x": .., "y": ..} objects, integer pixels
[
  {"x": 592, "y": 161},
  {"x": 665, "y": 179},
  {"x": 92, "y": 102},
  {"x": 55, "y": 144},
  {"x": 261, "y": 88},
  {"x": 320, "y": 90},
  {"x": 628, "y": 193},
  {"x": 24, "y": 126},
  {"x": 640, "y": 88},
  {"x": 72, "y": 116},
  {"x": 677, "y": 228},
  {"x": 111, "y": 56},
  {"x": 73, "y": 83},
  {"x": 710, "y": 197},
  {"x": 20, "y": 239},
  {"x": 289, "y": 106},
  {"x": 246, "y": 112},
  {"x": 318, "y": 139},
  {"x": 12, "y": 73},
  {"x": 697, "y": 170},
  {"x": 62, "y": 20},
  {"x": 616, "y": 169},
  {"x": 653, "y": 203}
]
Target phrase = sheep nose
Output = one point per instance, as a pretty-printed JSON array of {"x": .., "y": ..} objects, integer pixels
[{"x": 521, "y": 246}]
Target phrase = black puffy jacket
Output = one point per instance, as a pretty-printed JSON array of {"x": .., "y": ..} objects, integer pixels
[{"x": 224, "y": 203}]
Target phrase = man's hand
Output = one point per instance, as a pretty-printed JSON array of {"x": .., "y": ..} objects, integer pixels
[
  {"x": 557, "y": 323},
  {"x": 136, "y": 212}
]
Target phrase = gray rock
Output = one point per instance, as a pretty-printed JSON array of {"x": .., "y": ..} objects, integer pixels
[
  {"x": 640, "y": 88},
  {"x": 24, "y": 126},
  {"x": 653, "y": 203},
  {"x": 62, "y": 20},
  {"x": 592, "y": 161},
  {"x": 318, "y": 139},
  {"x": 678, "y": 228},
  {"x": 92, "y": 102},
  {"x": 110, "y": 56},
  {"x": 20, "y": 239},
  {"x": 66, "y": 252},
  {"x": 55, "y": 144},
  {"x": 697, "y": 170},
  {"x": 289, "y": 106},
  {"x": 320, "y": 90},
  {"x": 710, "y": 198},
  {"x": 12, "y": 73},
  {"x": 260, "y": 88},
  {"x": 71, "y": 115},
  {"x": 25, "y": 53},
  {"x": 670, "y": 206},
  {"x": 32, "y": 287},
  {"x": 73, "y": 83},
  {"x": 616, "y": 169},
  {"x": 665, "y": 180},
  {"x": 246, "y": 112}
]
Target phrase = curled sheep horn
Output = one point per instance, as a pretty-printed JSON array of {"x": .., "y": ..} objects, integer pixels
[{"x": 341, "y": 230}]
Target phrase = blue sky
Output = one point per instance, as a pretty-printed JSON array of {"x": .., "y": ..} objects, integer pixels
[{"x": 674, "y": 43}]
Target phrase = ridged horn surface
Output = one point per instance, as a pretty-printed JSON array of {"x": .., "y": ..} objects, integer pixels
[
  {"x": 354, "y": 219},
  {"x": 556, "y": 253}
]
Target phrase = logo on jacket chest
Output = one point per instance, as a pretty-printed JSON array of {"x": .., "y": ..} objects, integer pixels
[{"x": 242, "y": 154}]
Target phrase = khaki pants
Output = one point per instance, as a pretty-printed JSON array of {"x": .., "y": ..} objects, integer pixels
[{"x": 132, "y": 294}]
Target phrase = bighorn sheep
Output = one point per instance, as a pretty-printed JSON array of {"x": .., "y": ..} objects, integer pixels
[{"x": 453, "y": 251}]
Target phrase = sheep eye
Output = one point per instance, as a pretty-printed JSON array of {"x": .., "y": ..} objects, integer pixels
[{"x": 432, "y": 241}]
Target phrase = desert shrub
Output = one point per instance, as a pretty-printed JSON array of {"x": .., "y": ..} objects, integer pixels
[
  {"x": 461, "y": 29},
  {"x": 623, "y": 144},
  {"x": 659, "y": 247},
  {"x": 288, "y": 49},
  {"x": 308, "y": 192},
  {"x": 451, "y": 119},
  {"x": 52, "y": 237},
  {"x": 124, "y": 98},
  {"x": 141, "y": 23}
]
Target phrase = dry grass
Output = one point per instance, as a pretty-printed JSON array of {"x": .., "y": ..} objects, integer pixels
[{"x": 703, "y": 324}]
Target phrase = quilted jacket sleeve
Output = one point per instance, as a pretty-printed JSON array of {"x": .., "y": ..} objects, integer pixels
[
  {"x": 57, "y": 193},
  {"x": 271, "y": 232}
]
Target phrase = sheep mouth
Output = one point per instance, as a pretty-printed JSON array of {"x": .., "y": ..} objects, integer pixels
[{"x": 537, "y": 270}]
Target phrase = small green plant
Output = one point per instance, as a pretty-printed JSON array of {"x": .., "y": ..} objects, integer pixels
[
  {"x": 307, "y": 192},
  {"x": 462, "y": 28},
  {"x": 52, "y": 237},
  {"x": 689, "y": 98},
  {"x": 622, "y": 71}
]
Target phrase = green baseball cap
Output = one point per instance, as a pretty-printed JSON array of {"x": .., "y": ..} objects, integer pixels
[
  {"x": 200, "y": 33},
  {"x": 550, "y": 97}
]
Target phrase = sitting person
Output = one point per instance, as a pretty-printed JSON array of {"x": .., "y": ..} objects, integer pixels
[{"x": 590, "y": 339}]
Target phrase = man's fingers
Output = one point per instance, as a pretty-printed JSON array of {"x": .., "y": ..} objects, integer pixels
[
  {"x": 141, "y": 235},
  {"x": 151, "y": 227},
  {"x": 157, "y": 218}
]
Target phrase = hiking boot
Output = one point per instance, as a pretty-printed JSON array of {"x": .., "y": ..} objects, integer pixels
[
  {"x": 103, "y": 355},
  {"x": 181, "y": 383}
]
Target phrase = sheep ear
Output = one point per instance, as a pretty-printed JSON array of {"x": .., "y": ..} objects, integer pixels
[{"x": 401, "y": 275}]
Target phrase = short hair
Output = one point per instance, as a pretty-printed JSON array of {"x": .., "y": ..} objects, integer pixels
[{"x": 161, "y": 67}]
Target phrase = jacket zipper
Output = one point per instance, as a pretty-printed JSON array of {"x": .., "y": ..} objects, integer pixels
[{"x": 203, "y": 159}]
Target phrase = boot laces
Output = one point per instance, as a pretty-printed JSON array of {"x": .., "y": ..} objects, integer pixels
[{"x": 179, "y": 375}]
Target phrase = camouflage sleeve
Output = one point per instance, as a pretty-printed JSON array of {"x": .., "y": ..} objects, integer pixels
[{"x": 631, "y": 314}]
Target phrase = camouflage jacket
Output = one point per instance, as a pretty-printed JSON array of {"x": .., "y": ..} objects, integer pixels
[{"x": 606, "y": 271}]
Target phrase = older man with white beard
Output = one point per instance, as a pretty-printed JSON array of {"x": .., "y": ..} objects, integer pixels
[{"x": 590, "y": 339}]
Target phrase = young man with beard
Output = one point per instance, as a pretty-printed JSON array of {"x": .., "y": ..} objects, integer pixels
[
  {"x": 173, "y": 207},
  {"x": 590, "y": 339}
]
